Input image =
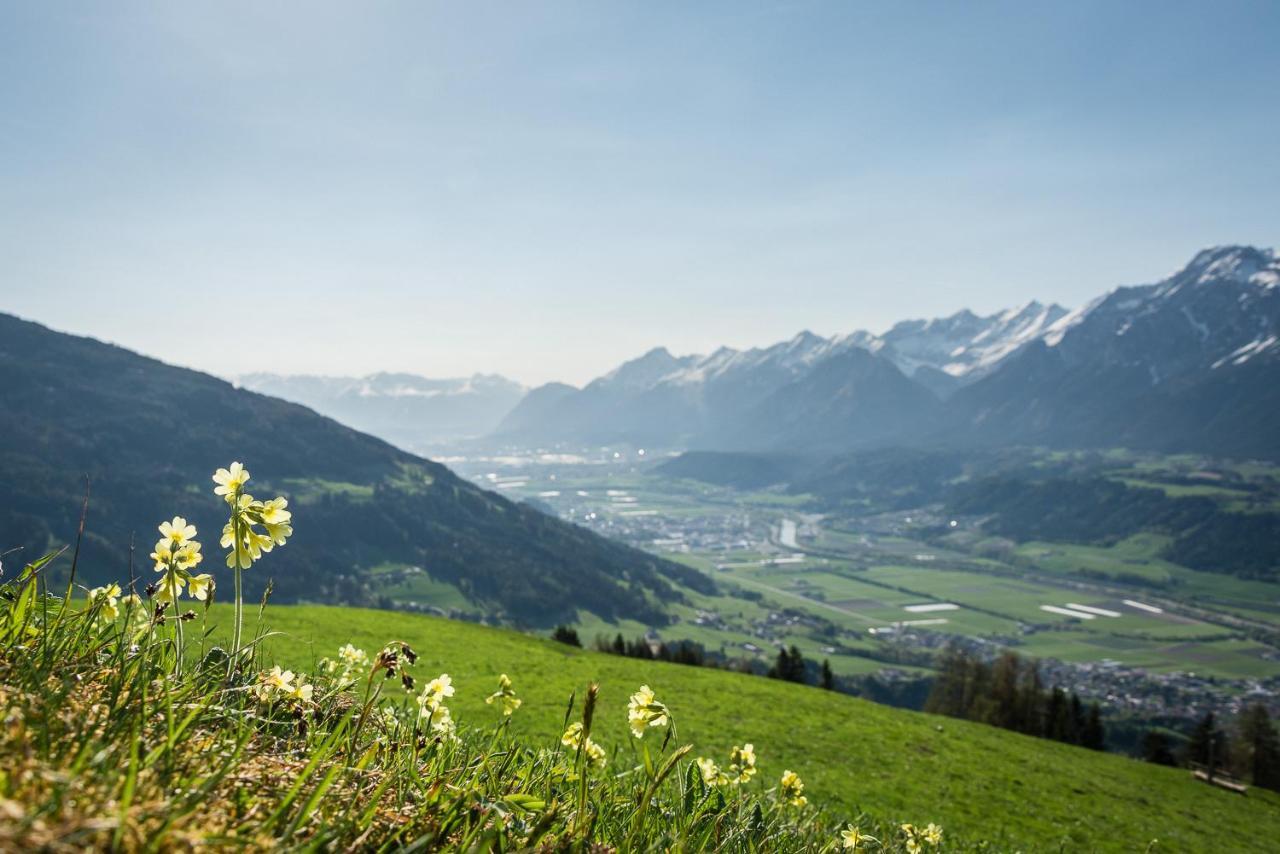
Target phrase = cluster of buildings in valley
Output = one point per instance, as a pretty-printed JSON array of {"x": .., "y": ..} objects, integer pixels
[
  {"x": 1143, "y": 694},
  {"x": 1124, "y": 690}
]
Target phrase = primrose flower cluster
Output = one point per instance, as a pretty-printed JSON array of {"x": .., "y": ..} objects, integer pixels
[
  {"x": 109, "y": 602},
  {"x": 574, "y": 740},
  {"x": 350, "y": 662},
  {"x": 431, "y": 708},
  {"x": 175, "y": 555},
  {"x": 241, "y": 534},
  {"x": 504, "y": 695},
  {"x": 277, "y": 684}
]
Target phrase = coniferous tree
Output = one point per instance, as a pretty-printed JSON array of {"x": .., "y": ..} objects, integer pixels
[
  {"x": 1031, "y": 700},
  {"x": 1057, "y": 716},
  {"x": 947, "y": 696},
  {"x": 1208, "y": 744},
  {"x": 1157, "y": 749},
  {"x": 1076, "y": 719},
  {"x": 1093, "y": 736},
  {"x": 619, "y": 645},
  {"x": 828, "y": 678},
  {"x": 1259, "y": 747},
  {"x": 1004, "y": 692},
  {"x": 566, "y": 635},
  {"x": 789, "y": 665}
]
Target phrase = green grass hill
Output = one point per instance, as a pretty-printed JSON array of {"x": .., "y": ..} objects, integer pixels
[{"x": 980, "y": 783}]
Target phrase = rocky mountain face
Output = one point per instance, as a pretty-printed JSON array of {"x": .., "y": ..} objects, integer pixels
[{"x": 1187, "y": 363}]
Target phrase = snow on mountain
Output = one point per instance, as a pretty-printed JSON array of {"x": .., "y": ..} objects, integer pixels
[
  {"x": 966, "y": 345},
  {"x": 1222, "y": 308},
  {"x": 408, "y": 410}
]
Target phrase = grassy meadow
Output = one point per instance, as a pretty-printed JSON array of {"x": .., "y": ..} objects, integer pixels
[{"x": 855, "y": 756}]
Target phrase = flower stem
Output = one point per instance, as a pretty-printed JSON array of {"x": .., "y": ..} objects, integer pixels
[{"x": 236, "y": 546}]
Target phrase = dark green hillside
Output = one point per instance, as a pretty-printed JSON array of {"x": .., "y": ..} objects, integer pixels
[
  {"x": 149, "y": 436},
  {"x": 1207, "y": 536}
]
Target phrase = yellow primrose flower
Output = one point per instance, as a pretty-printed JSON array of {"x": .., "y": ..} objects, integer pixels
[
  {"x": 916, "y": 837},
  {"x": 595, "y": 754},
  {"x": 162, "y": 554},
  {"x": 275, "y": 681},
  {"x": 302, "y": 691},
  {"x": 230, "y": 481},
  {"x": 435, "y": 713},
  {"x": 506, "y": 694},
  {"x": 711, "y": 773},
  {"x": 107, "y": 597},
  {"x": 791, "y": 789},
  {"x": 171, "y": 588},
  {"x": 644, "y": 711},
  {"x": 177, "y": 532},
  {"x": 188, "y": 555},
  {"x": 933, "y": 834},
  {"x": 439, "y": 688},
  {"x": 200, "y": 586},
  {"x": 276, "y": 520},
  {"x": 851, "y": 838},
  {"x": 431, "y": 703},
  {"x": 280, "y": 679},
  {"x": 572, "y": 736},
  {"x": 248, "y": 549},
  {"x": 352, "y": 656},
  {"x": 742, "y": 764}
]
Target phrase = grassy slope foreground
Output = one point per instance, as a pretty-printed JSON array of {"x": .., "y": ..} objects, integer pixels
[
  {"x": 111, "y": 741},
  {"x": 977, "y": 781}
]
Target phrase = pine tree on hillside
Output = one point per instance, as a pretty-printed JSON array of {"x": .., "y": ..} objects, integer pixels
[
  {"x": 1259, "y": 747},
  {"x": 1076, "y": 719},
  {"x": 1005, "y": 706},
  {"x": 1093, "y": 736},
  {"x": 947, "y": 697},
  {"x": 1208, "y": 744},
  {"x": 1031, "y": 701},
  {"x": 566, "y": 635},
  {"x": 828, "y": 678},
  {"x": 789, "y": 665},
  {"x": 1057, "y": 716},
  {"x": 1157, "y": 749}
]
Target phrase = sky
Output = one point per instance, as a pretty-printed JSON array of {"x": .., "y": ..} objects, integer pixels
[{"x": 546, "y": 189}]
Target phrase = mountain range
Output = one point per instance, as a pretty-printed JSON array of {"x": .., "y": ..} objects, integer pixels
[
  {"x": 410, "y": 411},
  {"x": 1188, "y": 363},
  {"x": 147, "y": 436}
]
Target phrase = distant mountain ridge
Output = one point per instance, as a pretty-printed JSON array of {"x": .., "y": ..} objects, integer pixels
[
  {"x": 408, "y": 410},
  {"x": 1186, "y": 363}
]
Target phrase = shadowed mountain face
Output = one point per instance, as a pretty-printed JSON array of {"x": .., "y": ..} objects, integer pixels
[
  {"x": 1189, "y": 363},
  {"x": 148, "y": 436}
]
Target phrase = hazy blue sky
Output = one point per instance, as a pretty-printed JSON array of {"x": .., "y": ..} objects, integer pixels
[{"x": 545, "y": 189}]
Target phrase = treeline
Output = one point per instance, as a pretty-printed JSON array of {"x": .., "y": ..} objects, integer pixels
[
  {"x": 1008, "y": 693},
  {"x": 790, "y": 664},
  {"x": 1249, "y": 750}
]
